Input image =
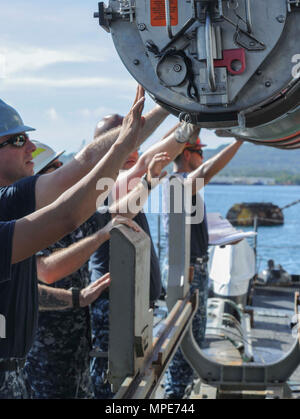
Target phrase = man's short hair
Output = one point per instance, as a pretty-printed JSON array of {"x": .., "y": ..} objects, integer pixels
[{"x": 107, "y": 123}]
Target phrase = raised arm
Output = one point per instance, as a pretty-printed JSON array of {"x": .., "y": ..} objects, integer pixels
[
  {"x": 47, "y": 225},
  {"x": 50, "y": 186},
  {"x": 168, "y": 144},
  {"x": 132, "y": 203},
  {"x": 66, "y": 261},
  {"x": 214, "y": 165}
]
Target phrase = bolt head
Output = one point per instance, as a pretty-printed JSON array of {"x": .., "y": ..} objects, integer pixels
[
  {"x": 177, "y": 68},
  {"x": 141, "y": 26}
]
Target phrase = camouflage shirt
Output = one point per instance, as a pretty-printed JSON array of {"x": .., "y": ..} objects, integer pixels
[{"x": 58, "y": 363}]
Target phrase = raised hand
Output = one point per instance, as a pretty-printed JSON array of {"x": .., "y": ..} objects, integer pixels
[
  {"x": 116, "y": 221},
  {"x": 158, "y": 162},
  {"x": 133, "y": 122}
]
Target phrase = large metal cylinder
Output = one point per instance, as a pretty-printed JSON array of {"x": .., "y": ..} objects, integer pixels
[{"x": 221, "y": 64}]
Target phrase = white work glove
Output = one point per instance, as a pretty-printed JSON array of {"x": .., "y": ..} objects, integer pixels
[{"x": 187, "y": 132}]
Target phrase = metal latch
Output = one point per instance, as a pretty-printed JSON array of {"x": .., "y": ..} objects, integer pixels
[
  {"x": 141, "y": 343},
  {"x": 234, "y": 60}
]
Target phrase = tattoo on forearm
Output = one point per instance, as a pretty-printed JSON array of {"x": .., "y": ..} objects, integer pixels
[{"x": 49, "y": 301}]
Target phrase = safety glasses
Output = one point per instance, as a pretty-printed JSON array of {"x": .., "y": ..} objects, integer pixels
[
  {"x": 17, "y": 141},
  {"x": 200, "y": 151}
]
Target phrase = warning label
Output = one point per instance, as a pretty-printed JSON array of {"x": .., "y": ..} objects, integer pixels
[{"x": 158, "y": 12}]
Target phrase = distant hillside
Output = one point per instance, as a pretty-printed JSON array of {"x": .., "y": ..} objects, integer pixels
[
  {"x": 251, "y": 160},
  {"x": 254, "y": 160}
]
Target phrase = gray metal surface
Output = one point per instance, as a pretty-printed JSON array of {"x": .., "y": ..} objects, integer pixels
[
  {"x": 240, "y": 377},
  {"x": 139, "y": 353},
  {"x": 167, "y": 337},
  {"x": 131, "y": 320},
  {"x": 171, "y": 48},
  {"x": 262, "y": 12},
  {"x": 276, "y": 352},
  {"x": 226, "y": 320},
  {"x": 179, "y": 244}
]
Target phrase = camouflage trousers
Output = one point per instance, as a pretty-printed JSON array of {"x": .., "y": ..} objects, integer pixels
[
  {"x": 179, "y": 374},
  {"x": 14, "y": 385},
  {"x": 58, "y": 364},
  {"x": 99, "y": 366}
]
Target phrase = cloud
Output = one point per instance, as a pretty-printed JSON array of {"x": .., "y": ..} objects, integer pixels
[
  {"x": 77, "y": 82},
  {"x": 84, "y": 113},
  {"x": 17, "y": 59},
  {"x": 52, "y": 114}
]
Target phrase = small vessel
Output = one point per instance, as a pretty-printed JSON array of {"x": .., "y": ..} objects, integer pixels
[{"x": 265, "y": 214}]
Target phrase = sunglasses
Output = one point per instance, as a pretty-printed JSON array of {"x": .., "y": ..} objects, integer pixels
[
  {"x": 16, "y": 141},
  {"x": 200, "y": 151}
]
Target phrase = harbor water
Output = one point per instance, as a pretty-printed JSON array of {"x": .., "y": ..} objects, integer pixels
[{"x": 280, "y": 243}]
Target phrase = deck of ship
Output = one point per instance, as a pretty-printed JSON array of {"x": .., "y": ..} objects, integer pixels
[{"x": 271, "y": 338}]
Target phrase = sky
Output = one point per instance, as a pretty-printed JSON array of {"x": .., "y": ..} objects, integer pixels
[{"x": 60, "y": 70}]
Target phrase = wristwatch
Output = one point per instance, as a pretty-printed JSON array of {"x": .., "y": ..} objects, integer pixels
[
  {"x": 76, "y": 297},
  {"x": 145, "y": 179}
]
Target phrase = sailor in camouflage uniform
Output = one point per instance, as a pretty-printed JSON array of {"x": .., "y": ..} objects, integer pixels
[
  {"x": 58, "y": 363},
  {"x": 99, "y": 366},
  {"x": 190, "y": 164},
  {"x": 180, "y": 373}
]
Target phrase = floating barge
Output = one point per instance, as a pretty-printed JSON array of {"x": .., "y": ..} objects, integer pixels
[{"x": 246, "y": 214}]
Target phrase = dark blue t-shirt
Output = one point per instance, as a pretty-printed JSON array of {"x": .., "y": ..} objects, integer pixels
[
  {"x": 199, "y": 235},
  {"x": 99, "y": 261},
  {"x": 199, "y": 230},
  {"x": 6, "y": 237},
  {"x": 18, "y": 288}
]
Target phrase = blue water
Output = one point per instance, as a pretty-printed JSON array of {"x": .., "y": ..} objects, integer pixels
[{"x": 281, "y": 243}]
